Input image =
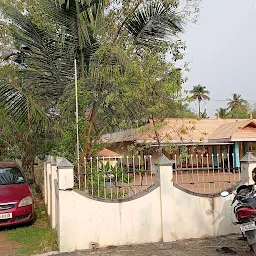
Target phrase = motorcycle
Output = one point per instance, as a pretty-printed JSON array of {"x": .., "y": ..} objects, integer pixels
[{"x": 245, "y": 212}]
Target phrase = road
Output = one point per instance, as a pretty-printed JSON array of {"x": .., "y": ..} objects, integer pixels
[{"x": 194, "y": 247}]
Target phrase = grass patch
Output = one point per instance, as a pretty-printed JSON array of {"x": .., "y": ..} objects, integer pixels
[{"x": 36, "y": 238}]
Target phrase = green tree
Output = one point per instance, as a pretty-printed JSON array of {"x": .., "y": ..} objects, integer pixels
[
  {"x": 139, "y": 95},
  {"x": 182, "y": 111},
  {"x": 240, "y": 112},
  {"x": 26, "y": 131},
  {"x": 199, "y": 93},
  {"x": 102, "y": 36},
  {"x": 112, "y": 44},
  {"x": 238, "y": 106},
  {"x": 222, "y": 113},
  {"x": 236, "y": 102},
  {"x": 204, "y": 114},
  {"x": 253, "y": 111}
]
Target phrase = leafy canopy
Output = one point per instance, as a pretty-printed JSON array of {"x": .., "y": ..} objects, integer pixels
[{"x": 120, "y": 49}]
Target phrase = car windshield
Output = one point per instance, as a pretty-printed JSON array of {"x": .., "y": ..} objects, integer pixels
[{"x": 10, "y": 175}]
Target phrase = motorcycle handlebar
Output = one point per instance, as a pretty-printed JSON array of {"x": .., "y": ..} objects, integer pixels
[{"x": 243, "y": 193}]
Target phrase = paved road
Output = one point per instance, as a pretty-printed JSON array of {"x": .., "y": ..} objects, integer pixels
[{"x": 195, "y": 247}]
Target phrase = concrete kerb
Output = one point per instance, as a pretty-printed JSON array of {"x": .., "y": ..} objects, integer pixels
[{"x": 48, "y": 253}]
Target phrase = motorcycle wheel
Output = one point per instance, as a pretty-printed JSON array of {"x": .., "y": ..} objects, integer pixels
[{"x": 253, "y": 249}]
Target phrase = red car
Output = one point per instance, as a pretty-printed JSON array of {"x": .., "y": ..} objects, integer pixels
[{"x": 16, "y": 202}]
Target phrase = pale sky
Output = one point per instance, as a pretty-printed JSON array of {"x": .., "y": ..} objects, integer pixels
[{"x": 221, "y": 51}]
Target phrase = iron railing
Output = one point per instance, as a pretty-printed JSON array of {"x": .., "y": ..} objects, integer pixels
[
  {"x": 117, "y": 177},
  {"x": 122, "y": 177},
  {"x": 206, "y": 174}
]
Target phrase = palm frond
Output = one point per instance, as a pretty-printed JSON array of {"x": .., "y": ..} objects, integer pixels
[
  {"x": 78, "y": 19},
  {"x": 154, "y": 22},
  {"x": 48, "y": 61},
  {"x": 107, "y": 65},
  {"x": 18, "y": 105},
  {"x": 236, "y": 101}
]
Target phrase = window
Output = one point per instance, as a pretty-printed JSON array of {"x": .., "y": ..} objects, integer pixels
[
  {"x": 252, "y": 146},
  {"x": 10, "y": 175}
]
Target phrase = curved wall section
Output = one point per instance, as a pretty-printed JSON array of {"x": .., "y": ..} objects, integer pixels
[
  {"x": 121, "y": 200},
  {"x": 97, "y": 223}
]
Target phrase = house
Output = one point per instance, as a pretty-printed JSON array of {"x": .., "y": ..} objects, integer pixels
[
  {"x": 214, "y": 138},
  {"x": 108, "y": 156}
]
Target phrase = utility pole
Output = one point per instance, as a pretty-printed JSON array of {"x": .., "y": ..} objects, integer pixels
[{"x": 77, "y": 130}]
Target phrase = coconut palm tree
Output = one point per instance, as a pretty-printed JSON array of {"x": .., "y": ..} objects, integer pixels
[
  {"x": 222, "y": 113},
  {"x": 81, "y": 30},
  {"x": 236, "y": 101},
  {"x": 199, "y": 93}
]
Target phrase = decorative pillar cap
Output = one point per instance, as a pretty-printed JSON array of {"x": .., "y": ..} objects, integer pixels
[
  {"x": 249, "y": 158},
  {"x": 65, "y": 164},
  {"x": 164, "y": 161}
]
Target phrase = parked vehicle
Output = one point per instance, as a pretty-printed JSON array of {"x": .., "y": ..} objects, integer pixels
[
  {"x": 16, "y": 201},
  {"x": 245, "y": 211}
]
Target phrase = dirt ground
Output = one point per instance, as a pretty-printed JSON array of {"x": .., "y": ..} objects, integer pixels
[
  {"x": 195, "y": 247},
  {"x": 7, "y": 248}
]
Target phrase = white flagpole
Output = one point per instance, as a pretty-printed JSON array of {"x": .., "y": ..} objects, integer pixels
[{"x": 77, "y": 131}]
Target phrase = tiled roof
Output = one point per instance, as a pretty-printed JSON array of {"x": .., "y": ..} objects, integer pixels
[
  {"x": 225, "y": 131},
  {"x": 189, "y": 129},
  {"x": 177, "y": 129},
  {"x": 108, "y": 153},
  {"x": 242, "y": 133}
]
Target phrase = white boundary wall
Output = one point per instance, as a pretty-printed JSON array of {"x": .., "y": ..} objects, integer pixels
[{"x": 162, "y": 213}]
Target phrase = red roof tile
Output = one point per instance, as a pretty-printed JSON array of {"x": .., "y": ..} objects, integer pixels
[
  {"x": 189, "y": 129},
  {"x": 108, "y": 153}
]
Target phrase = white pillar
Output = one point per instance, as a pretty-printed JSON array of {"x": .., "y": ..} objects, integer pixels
[
  {"x": 45, "y": 183},
  {"x": 48, "y": 175},
  {"x": 248, "y": 163},
  {"x": 66, "y": 218},
  {"x": 53, "y": 193},
  {"x": 166, "y": 188}
]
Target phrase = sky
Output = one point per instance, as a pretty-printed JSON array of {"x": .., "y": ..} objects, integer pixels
[{"x": 221, "y": 52}]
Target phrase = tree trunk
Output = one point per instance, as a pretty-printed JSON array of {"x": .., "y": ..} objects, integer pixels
[
  {"x": 87, "y": 142},
  {"x": 199, "y": 101},
  {"x": 157, "y": 136},
  {"x": 28, "y": 166}
]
